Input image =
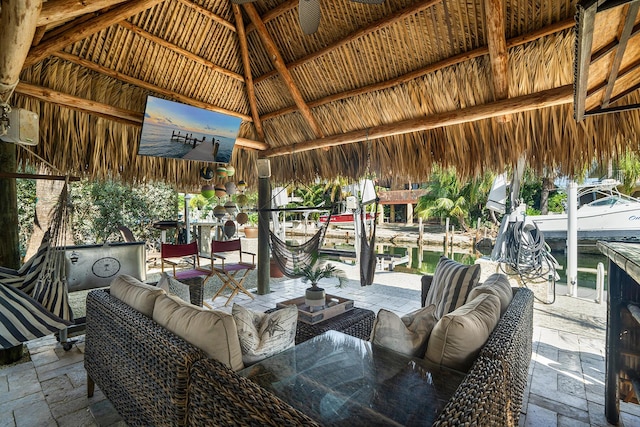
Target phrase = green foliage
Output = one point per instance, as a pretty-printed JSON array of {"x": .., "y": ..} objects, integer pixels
[
  {"x": 313, "y": 274},
  {"x": 557, "y": 202},
  {"x": 100, "y": 207},
  {"x": 26, "y": 191},
  {"x": 629, "y": 165},
  {"x": 447, "y": 196}
]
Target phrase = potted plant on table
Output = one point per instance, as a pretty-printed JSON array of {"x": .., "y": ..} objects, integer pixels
[{"x": 315, "y": 296}]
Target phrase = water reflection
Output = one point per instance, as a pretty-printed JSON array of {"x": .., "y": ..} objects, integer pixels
[{"x": 423, "y": 260}]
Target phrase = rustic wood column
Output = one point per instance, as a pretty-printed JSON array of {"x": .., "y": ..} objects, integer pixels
[
  {"x": 264, "y": 265},
  {"x": 17, "y": 27},
  {"x": 9, "y": 244}
]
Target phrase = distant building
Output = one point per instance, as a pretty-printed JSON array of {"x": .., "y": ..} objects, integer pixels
[{"x": 401, "y": 204}]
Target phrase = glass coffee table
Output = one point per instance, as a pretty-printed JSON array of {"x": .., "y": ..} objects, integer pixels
[{"x": 337, "y": 379}]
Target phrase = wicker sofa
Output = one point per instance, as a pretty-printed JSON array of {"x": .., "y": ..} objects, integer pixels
[{"x": 153, "y": 377}]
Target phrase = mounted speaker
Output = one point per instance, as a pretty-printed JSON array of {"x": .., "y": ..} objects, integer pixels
[{"x": 23, "y": 127}]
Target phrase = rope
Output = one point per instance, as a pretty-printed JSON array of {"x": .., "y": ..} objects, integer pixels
[{"x": 527, "y": 254}]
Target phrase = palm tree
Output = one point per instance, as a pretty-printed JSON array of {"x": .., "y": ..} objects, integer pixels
[{"x": 443, "y": 198}]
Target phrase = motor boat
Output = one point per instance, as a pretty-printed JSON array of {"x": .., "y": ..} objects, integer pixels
[
  {"x": 345, "y": 218},
  {"x": 604, "y": 214}
]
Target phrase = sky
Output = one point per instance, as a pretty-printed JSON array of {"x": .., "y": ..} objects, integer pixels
[{"x": 174, "y": 114}]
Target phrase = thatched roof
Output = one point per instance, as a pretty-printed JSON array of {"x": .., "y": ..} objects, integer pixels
[{"x": 397, "y": 86}]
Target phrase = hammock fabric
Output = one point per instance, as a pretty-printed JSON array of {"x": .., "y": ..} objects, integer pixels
[
  {"x": 22, "y": 318},
  {"x": 367, "y": 252},
  {"x": 34, "y": 299},
  {"x": 293, "y": 258}
]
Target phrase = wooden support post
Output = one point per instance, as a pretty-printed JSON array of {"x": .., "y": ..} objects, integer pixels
[
  {"x": 446, "y": 237},
  {"x": 420, "y": 232},
  {"x": 264, "y": 262}
]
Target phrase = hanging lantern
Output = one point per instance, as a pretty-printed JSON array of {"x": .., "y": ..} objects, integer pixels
[
  {"x": 229, "y": 229},
  {"x": 242, "y": 218},
  {"x": 220, "y": 191},
  {"x": 219, "y": 211},
  {"x": 206, "y": 173},
  {"x": 231, "y": 207},
  {"x": 230, "y": 187},
  {"x": 241, "y": 185},
  {"x": 231, "y": 171},
  {"x": 221, "y": 171},
  {"x": 242, "y": 200},
  {"x": 207, "y": 191}
]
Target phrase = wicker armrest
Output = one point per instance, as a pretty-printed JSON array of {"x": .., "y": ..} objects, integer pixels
[
  {"x": 217, "y": 394},
  {"x": 426, "y": 285}
]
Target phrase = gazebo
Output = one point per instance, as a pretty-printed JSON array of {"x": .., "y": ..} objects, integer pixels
[{"x": 395, "y": 85}]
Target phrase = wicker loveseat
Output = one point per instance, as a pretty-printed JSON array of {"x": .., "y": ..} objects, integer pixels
[{"x": 153, "y": 377}]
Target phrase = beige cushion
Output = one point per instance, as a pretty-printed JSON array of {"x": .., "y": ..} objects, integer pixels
[
  {"x": 135, "y": 294},
  {"x": 458, "y": 337},
  {"x": 214, "y": 332},
  {"x": 408, "y": 334},
  {"x": 264, "y": 334},
  {"x": 451, "y": 284},
  {"x": 174, "y": 287},
  {"x": 498, "y": 285}
]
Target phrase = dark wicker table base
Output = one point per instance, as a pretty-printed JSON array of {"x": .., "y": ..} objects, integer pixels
[{"x": 356, "y": 322}]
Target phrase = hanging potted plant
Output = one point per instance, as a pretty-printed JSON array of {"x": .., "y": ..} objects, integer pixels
[{"x": 315, "y": 296}]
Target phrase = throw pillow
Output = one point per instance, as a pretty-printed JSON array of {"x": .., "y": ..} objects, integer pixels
[
  {"x": 212, "y": 331},
  {"x": 451, "y": 284},
  {"x": 408, "y": 334},
  {"x": 174, "y": 287},
  {"x": 498, "y": 285},
  {"x": 458, "y": 337},
  {"x": 265, "y": 334},
  {"x": 135, "y": 294}
]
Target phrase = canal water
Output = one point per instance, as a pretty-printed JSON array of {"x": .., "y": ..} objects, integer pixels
[{"x": 425, "y": 261}]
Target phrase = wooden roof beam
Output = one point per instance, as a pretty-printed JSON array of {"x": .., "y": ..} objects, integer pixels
[
  {"x": 184, "y": 52},
  {"x": 206, "y": 12},
  {"x": 274, "y": 13},
  {"x": 632, "y": 12},
  {"x": 94, "y": 25},
  {"x": 547, "y": 98},
  {"x": 498, "y": 57},
  {"x": 278, "y": 63},
  {"x": 17, "y": 27},
  {"x": 584, "y": 34},
  {"x": 248, "y": 79},
  {"x": 375, "y": 26},
  {"x": 148, "y": 86},
  {"x": 56, "y": 11},
  {"x": 431, "y": 68},
  {"x": 104, "y": 110},
  {"x": 86, "y": 105}
]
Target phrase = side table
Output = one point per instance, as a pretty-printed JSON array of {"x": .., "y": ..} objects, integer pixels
[{"x": 356, "y": 322}]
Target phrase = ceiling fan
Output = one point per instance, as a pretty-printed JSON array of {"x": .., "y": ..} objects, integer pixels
[{"x": 309, "y": 12}]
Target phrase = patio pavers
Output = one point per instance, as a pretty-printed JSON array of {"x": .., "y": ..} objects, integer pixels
[{"x": 565, "y": 388}]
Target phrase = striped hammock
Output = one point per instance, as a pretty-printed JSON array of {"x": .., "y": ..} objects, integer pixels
[
  {"x": 34, "y": 299},
  {"x": 23, "y": 317}
]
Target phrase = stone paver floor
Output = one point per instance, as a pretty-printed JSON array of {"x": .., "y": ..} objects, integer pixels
[{"x": 565, "y": 388}]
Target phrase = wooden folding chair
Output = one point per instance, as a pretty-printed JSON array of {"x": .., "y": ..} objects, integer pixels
[
  {"x": 174, "y": 255},
  {"x": 232, "y": 274}
]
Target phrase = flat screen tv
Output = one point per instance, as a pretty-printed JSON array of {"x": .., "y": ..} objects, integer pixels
[{"x": 179, "y": 131}]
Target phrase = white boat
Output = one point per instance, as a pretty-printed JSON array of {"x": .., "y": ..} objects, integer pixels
[{"x": 609, "y": 215}]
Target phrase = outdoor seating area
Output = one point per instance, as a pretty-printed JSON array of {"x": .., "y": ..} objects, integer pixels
[
  {"x": 223, "y": 143},
  {"x": 565, "y": 381}
]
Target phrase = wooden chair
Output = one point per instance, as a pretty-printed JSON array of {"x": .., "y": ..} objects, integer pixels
[
  {"x": 152, "y": 253},
  {"x": 174, "y": 255},
  {"x": 232, "y": 274}
]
